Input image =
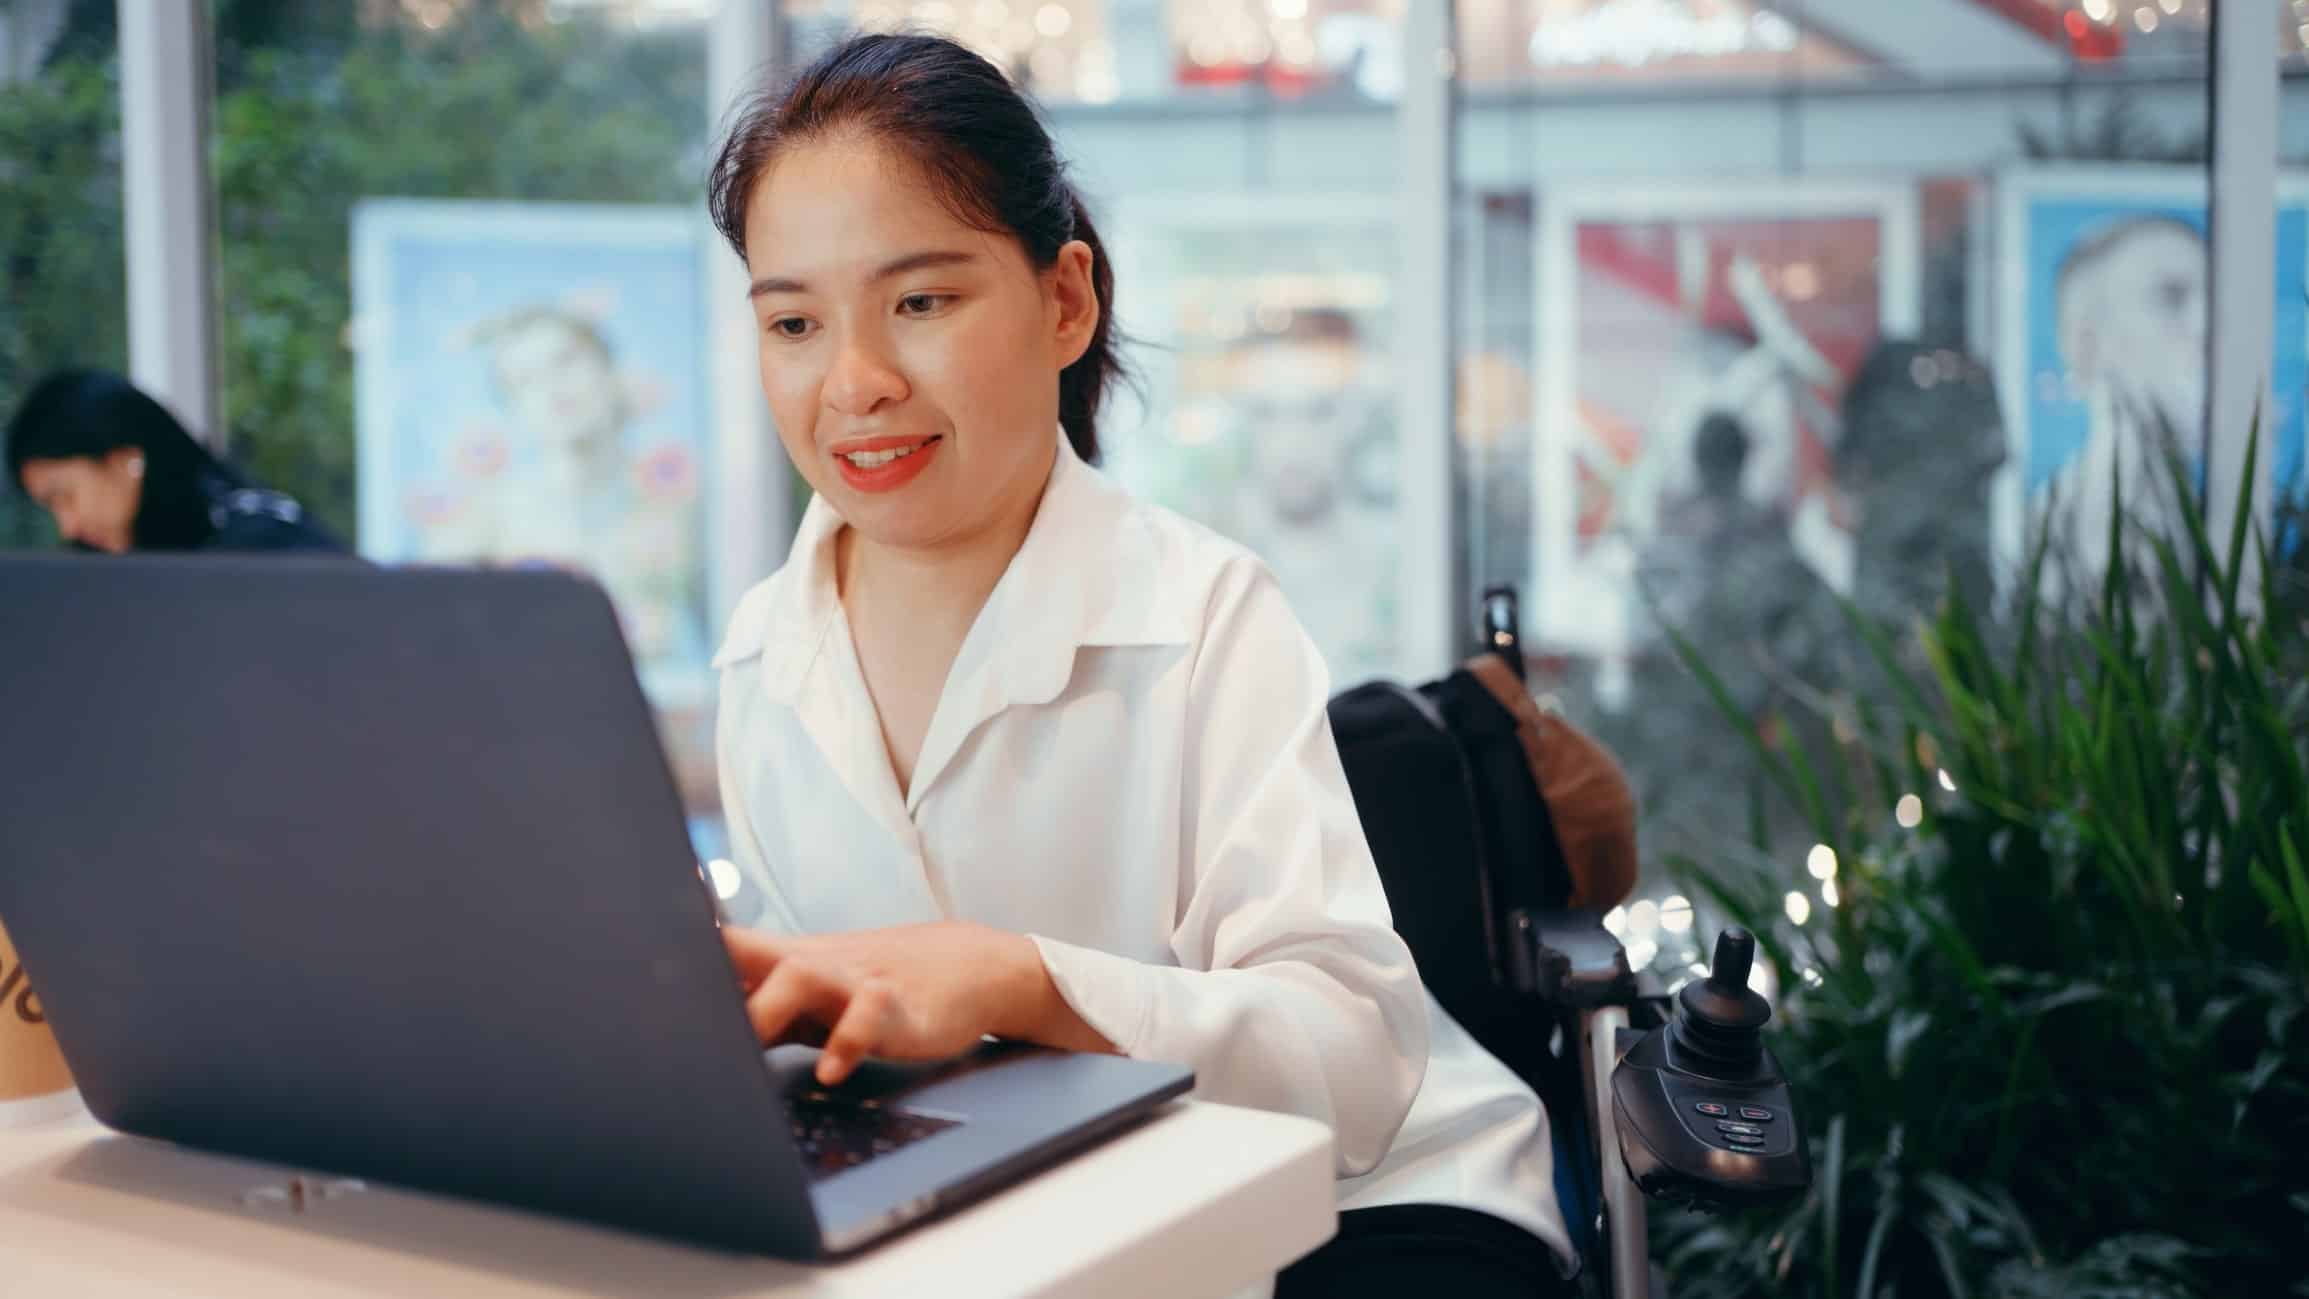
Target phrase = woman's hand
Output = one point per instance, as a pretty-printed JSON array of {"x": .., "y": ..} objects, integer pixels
[{"x": 917, "y": 992}]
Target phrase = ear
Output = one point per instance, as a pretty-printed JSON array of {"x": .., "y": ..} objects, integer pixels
[
  {"x": 1074, "y": 300},
  {"x": 124, "y": 463}
]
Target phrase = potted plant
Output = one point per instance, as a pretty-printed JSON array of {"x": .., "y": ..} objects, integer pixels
[{"x": 2045, "y": 972}]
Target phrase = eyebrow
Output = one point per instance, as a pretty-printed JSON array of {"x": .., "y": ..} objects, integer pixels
[{"x": 910, "y": 262}]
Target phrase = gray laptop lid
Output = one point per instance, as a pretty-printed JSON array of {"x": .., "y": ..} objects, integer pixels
[{"x": 372, "y": 778}]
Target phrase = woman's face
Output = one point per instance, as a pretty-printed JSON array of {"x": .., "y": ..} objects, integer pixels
[
  {"x": 911, "y": 361},
  {"x": 93, "y": 501}
]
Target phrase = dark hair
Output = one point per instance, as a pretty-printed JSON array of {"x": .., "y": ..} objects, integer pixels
[
  {"x": 1917, "y": 407},
  {"x": 88, "y": 415},
  {"x": 973, "y": 138}
]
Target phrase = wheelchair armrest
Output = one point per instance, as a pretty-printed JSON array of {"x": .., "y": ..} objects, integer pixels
[{"x": 1568, "y": 959}]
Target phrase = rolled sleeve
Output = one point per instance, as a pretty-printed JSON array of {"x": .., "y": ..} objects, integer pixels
[{"x": 1111, "y": 993}]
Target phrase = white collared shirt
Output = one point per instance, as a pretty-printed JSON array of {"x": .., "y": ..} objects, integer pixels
[{"x": 1131, "y": 763}]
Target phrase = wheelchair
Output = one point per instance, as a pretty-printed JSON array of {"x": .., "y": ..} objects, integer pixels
[{"x": 1502, "y": 835}]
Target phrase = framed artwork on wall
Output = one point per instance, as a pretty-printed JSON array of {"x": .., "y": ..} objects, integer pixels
[
  {"x": 2102, "y": 302},
  {"x": 1693, "y": 344},
  {"x": 531, "y": 391},
  {"x": 1261, "y": 330}
]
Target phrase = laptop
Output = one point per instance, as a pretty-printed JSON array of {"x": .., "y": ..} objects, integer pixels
[{"x": 382, "y": 872}]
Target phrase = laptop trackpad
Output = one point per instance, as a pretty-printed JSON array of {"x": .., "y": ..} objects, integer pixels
[
  {"x": 1005, "y": 1084},
  {"x": 1013, "y": 1107}
]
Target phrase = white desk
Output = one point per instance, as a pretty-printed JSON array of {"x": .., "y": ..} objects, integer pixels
[{"x": 1204, "y": 1200}]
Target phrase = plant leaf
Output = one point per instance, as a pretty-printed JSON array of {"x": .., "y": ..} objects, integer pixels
[{"x": 1906, "y": 1027}]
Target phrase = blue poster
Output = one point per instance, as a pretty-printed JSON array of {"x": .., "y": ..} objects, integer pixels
[
  {"x": 2117, "y": 302},
  {"x": 532, "y": 393}
]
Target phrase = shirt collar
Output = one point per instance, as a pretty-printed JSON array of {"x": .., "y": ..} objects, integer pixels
[{"x": 1090, "y": 572}]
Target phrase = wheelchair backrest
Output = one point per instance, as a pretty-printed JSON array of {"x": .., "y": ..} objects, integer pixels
[{"x": 1452, "y": 781}]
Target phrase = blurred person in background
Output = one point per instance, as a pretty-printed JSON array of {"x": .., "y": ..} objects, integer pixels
[
  {"x": 1723, "y": 572},
  {"x": 1922, "y": 442},
  {"x": 117, "y": 473}
]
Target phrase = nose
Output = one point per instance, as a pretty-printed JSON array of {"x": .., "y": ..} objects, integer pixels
[{"x": 863, "y": 379}]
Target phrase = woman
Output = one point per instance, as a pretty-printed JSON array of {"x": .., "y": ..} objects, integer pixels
[
  {"x": 117, "y": 473},
  {"x": 1010, "y": 753}
]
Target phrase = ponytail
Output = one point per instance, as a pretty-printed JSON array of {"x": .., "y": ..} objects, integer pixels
[{"x": 1082, "y": 386}]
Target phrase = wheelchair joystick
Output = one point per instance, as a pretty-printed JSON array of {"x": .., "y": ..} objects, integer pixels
[
  {"x": 1718, "y": 1030},
  {"x": 1703, "y": 1114}
]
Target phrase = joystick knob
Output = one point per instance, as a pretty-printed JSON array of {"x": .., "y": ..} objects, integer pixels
[{"x": 1718, "y": 1029}]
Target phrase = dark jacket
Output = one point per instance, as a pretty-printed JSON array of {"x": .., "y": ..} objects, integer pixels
[
  {"x": 223, "y": 513},
  {"x": 251, "y": 518}
]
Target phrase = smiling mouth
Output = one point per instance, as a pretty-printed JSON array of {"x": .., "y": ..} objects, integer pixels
[{"x": 877, "y": 459}]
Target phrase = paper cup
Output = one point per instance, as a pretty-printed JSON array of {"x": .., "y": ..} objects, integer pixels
[{"x": 34, "y": 1084}]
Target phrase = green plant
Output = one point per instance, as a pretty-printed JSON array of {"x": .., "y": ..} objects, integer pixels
[
  {"x": 62, "y": 282},
  {"x": 2050, "y": 1036}
]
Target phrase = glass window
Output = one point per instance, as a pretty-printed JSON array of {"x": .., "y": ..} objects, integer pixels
[
  {"x": 1108, "y": 51},
  {"x": 2289, "y": 389},
  {"x": 1264, "y": 326},
  {"x": 61, "y": 262},
  {"x": 461, "y": 297},
  {"x": 1628, "y": 44},
  {"x": 1238, "y": 158},
  {"x": 1762, "y": 307}
]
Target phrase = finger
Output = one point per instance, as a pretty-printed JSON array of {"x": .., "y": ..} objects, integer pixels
[
  {"x": 753, "y": 953},
  {"x": 795, "y": 990},
  {"x": 864, "y": 1026}
]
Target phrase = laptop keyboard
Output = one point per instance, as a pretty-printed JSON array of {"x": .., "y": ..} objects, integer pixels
[{"x": 834, "y": 1133}]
